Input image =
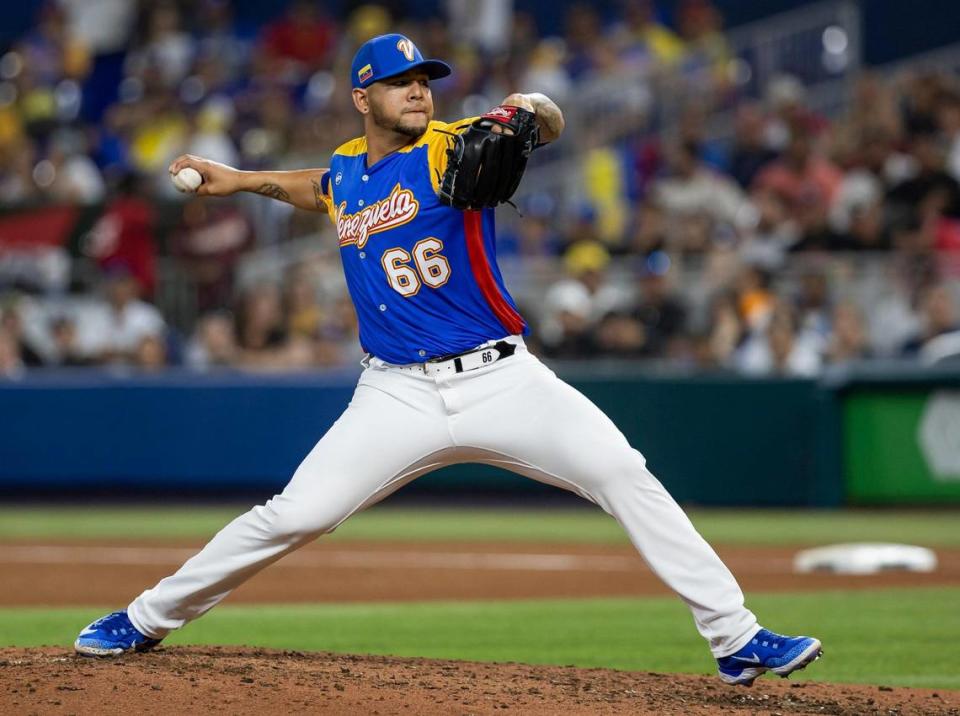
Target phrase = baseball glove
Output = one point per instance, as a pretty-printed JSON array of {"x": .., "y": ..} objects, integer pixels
[{"x": 484, "y": 167}]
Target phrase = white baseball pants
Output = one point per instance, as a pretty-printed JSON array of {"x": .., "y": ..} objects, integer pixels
[{"x": 515, "y": 414}]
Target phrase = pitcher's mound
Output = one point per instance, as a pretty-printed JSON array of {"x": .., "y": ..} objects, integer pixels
[{"x": 233, "y": 680}]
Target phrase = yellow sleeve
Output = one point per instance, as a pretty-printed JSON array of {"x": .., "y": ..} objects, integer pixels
[
  {"x": 352, "y": 148},
  {"x": 323, "y": 192},
  {"x": 438, "y": 141}
]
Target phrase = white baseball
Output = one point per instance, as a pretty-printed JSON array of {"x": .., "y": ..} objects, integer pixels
[{"x": 187, "y": 180}]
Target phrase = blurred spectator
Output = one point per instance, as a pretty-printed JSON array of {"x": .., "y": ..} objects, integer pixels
[
  {"x": 368, "y": 20},
  {"x": 692, "y": 130},
  {"x": 660, "y": 311},
  {"x": 261, "y": 334},
  {"x": 36, "y": 102},
  {"x": 49, "y": 51},
  {"x": 813, "y": 222},
  {"x": 859, "y": 188},
  {"x": 790, "y": 112},
  {"x": 919, "y": 107},
  {"x": 813, "y": 303},
  {"x": 700, "y": 26},
  {"x": 773, "y": 233},
  {"x": 533, "y": 236},
  {"x": 948, "y": 123},
  {"x": 222, "y": 50},
  {"x": 604, "y": 192},
  {"x": 304, "y": 314},
  {"x": 546, "y": 72},
  {"x": 299, "y": 42},
  {"x": 66, "y": 351},
  {"x": 650, "y": 230},
  {"x": 123, "y": 236},
  {"x": 892, "y": 319},
  {"x": 111, "y": 330},
  {"x": 867, "y": 229},
  {"x": 931, "y": 191},
  {"x": 112, "y": 150},
  {"x": 17, "y": 185},
  {"x": 168, "y": 48},
  {"x": 848, "y": 339},
  {"x": 939, "y": 334},
  {"x": 213, "y": 344},
  {"x": 341, "y": 328},
  {"x": 208, "y": 243},
  {"x": 159, "y": 131},
  {"x": 581, "y": 227},
  {"x": 619, "y": 335},
  {"x": 100, "y": 26},
  {"x": 212, "y": 139},
  {"x": 792, "y": 352},
  {"x": 583, "y": 34},
  {"x": 151, "y": 354},
  {"x": 801, "y": 175},
  {"x": 11, "y": 365},
  {"x": 574, "y": 306},
  {"x": 778, "y": 349},
  {"x": 642, "y": 39},
  {"x": 873, "y": 109},
  {"x": 750, "y": 150},
  {"x": 76, "y": 178},
  {"x": 692, "y": 188},
  {"x": 11, "y": 323},
  {"x": 755, "y": 299},
  {"x": 696, "y": 234},
  {"x": 485, "y": 25},
  {"x": 912, "y": 235},
  {"x": 726, "y": 331}
]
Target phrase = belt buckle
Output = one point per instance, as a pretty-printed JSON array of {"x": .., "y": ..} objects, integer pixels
[
  {"x": 439, "y": 361},
  {"x": 432, "y": 367}
]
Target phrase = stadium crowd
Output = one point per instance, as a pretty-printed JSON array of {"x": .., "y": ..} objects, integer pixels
[{"x": 796, "y": 242}]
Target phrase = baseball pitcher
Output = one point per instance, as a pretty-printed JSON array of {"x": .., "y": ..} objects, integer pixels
[{"x": 447, "y": 377}]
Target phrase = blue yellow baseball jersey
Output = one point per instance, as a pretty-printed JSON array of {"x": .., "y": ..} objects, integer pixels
[{"x": 423, "y": 276}]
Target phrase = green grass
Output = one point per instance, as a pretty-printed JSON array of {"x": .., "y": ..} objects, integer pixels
[
  {"x": 896, "y": 637},
  {"x": 588, "y": 525}
]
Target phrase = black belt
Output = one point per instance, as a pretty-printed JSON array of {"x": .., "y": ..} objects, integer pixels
[{"x": 503, "y": 350}]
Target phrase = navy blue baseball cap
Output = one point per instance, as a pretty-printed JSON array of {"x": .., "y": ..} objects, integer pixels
[{"x": 389, "y": 55}]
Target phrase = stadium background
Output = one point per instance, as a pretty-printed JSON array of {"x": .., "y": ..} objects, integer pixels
[{"x": 745, "y": 249}]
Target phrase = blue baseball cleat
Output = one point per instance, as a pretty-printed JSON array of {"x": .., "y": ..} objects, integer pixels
[
  {"x": 112, "y": 635},
  {"x": 769, "y": 652}
]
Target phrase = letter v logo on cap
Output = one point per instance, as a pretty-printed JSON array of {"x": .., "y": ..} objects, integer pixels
[{"x": 407, "y": 48}]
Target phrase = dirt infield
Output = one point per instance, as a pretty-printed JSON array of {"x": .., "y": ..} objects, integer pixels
[
  {"x": 204, "y": 680},
  {"x": 62, "y": 575}
]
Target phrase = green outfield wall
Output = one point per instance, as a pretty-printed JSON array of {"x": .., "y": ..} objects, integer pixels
[{"x": 901, "y": 443}]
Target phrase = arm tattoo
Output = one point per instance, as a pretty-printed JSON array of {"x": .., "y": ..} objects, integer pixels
[
  {"x": 318, "y": 197},
  {"x": 274, "y": 191}
]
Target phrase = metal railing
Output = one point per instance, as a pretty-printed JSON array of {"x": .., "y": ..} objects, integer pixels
[{"x": 818, "y": 44}]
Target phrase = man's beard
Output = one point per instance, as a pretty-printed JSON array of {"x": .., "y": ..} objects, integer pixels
[{"x": 399, "y": 127}]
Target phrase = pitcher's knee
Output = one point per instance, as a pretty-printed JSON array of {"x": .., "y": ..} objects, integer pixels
[
  {"x": 293, "y": 522},
  {"x": 626, "y": 470}
]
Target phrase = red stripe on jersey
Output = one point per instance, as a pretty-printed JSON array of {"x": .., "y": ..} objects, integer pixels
[{"x": 480, "y": 264}]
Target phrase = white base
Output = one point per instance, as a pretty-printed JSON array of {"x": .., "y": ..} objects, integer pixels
[{"x": 866, "y": 558}]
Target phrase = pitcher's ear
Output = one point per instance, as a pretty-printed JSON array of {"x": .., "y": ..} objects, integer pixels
[{"x": 361, "y": 101}]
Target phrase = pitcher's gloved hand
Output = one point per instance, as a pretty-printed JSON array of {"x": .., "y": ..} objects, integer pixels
[{"x": 486, "y": 162}]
